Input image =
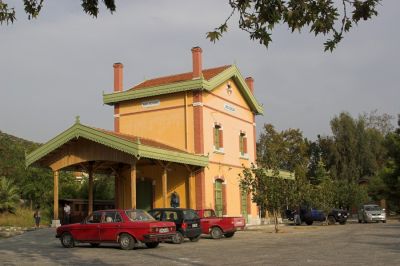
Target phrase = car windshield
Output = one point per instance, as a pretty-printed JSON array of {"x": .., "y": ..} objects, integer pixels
[
  {"x": 138, "y": 215},
  {"x": 373, "y": 208}
]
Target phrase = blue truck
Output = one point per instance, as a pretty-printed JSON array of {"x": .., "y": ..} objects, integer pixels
[{"x": 309, "y": 215}]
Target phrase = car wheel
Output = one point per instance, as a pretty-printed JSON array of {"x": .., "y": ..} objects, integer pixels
[
  {"x": 177, "y": 238},
  {"x": 95, "y": 245},
  {"x": 342, "y": 222},
  {"x": 195, "y": 238},
  {"x": 67, "y": 240},
  {"x": 331, "y": 220},
  {"x": 152, "y": 244},
  {"x": 309, "y": 222},
  {"x": 228, "y": 235},
  {"x": 359, "y": 221},
  {"x": 216, "y": 233},
  {"x": 384, "y": 221},
  {"x": 126, "y": 242}
]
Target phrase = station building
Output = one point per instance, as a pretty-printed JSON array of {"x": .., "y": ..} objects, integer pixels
[{"x": 189, "y": 134}]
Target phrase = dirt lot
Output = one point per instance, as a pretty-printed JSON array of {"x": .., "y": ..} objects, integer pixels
[{"x": 350, "y": 244}]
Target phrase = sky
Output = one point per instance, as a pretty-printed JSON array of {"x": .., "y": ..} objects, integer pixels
[{"x": 58, "y": 66}]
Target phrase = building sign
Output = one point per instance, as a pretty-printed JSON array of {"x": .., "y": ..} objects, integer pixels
[
  {"x": 151, "y": 103},
  {"x": 229, "y": 108}
]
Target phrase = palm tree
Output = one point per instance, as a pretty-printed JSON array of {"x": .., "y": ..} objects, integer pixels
[{"x": 9, "y": 196}]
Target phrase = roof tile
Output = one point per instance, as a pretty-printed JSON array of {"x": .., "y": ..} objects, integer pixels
[{"x": 207, "y": 74}]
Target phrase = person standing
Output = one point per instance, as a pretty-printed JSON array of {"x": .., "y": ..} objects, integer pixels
[
  {"x": 37, "y": 217},
  {"x": 67, "y": 213}
]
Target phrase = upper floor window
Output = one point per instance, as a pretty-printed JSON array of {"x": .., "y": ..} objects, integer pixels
[
  {"x": 218, "y": 137},
  {"x": 243, "y": 144}
]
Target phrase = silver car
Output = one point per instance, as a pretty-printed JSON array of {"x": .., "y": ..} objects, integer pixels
[{"x": 371, "y": 213}]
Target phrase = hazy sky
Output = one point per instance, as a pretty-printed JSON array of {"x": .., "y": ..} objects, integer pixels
[{"x": 58, "y": 66}]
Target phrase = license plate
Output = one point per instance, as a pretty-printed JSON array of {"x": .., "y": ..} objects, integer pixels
[
  {"x": 194, "y": 225},
  {"x": 163, "y": 230}
]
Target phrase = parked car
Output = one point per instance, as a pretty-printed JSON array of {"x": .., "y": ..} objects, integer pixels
[
  {"x": 187, "y": 222},
  {"x": 219, "y": 226},
  {"x": 305, "y": 215},
  {"x": 371, "y": 213},
  {"x": 126, "y": 227},
  {"x": 338, "y": 216}
]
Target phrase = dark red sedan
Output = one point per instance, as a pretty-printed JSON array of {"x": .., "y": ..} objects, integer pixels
[{"x": 126, "y": 227}]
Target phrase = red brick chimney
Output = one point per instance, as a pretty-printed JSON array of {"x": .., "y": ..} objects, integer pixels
[
  {"x": 250, "y": 83},
  {"x": 118, "y": 76},
  {"x": 197, "y": 62}
]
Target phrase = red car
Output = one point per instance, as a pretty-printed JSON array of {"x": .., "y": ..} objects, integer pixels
[
  {"x": 219, "y": 226},
  {"x": 126, "y": 227}
]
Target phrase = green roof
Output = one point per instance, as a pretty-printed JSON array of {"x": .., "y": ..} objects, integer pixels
[
  {"x": 188, "y": 85},
  {"x": 125, "y": 143}
]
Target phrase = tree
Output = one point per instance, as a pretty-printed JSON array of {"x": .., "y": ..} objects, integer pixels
[
  {"x": 33, "y": 8},
  {"x": 380, "y": 122},
  {"x": 103, "y": 188},
  {"x": 391, "y": 173},
  {"x": 258, "y": 17},
  {"x": 269, "y": 192},
  {"x": 324, "y": 196},
  {"x": 276, "y": 151},
  {"x": 8, "y": 195},
  {"x": 355, "y": 151}
]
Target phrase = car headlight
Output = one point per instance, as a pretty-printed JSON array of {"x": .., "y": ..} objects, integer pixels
[
  {"x": 369, "y": 214},
  {"x": 339, "y": 214}
]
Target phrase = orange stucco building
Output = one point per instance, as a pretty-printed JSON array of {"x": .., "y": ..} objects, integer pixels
[{"x": 188, "y": 133}]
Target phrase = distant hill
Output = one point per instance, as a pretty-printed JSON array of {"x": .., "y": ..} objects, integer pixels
[{"x": 12, "y": 154}]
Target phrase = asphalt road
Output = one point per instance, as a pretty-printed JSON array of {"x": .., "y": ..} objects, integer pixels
[{"x": 350, "y": 244}]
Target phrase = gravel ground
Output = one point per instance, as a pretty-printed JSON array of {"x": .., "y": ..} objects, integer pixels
[{"x": 350, "y": 244}]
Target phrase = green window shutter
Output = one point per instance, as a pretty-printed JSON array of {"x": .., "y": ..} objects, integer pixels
[
  {"x": 241, "y": 144},
  {"x": 216, "y": 138},
  {"x": 218, "y": 198}
]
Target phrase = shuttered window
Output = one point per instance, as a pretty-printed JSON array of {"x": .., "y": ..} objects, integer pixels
[
  {"x": 219, "y": 206},
  {"x": 218, "y": 137},
  {"x": 243, "y": 144}
]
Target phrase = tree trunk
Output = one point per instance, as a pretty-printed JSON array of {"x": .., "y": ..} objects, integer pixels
[{"x": 276, "y": 221}]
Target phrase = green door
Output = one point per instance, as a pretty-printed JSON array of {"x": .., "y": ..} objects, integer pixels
[
  {"x": 218, "y": 198},
  {"x": 243, "y": 202},
  {"x": 144, "y": 195}
]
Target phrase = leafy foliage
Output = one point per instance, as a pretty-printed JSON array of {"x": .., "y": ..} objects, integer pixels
[
  {"x": 271, "y": 193},
  {"x": 259, "y": 17},
  {"x": 8, "y": 196},
  {"x": 35, "y": 185},
  {"x": 7, "y": 14},
  {"x": 33, "y": 8},
  {"x": 391, "y": 173},
  {"x": 355, "y": 151}
]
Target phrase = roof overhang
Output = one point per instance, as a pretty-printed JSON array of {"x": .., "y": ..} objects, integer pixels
[
  {"x": 134, "y": 148},
  {"x": 281, "y": 174},
  {"x": 195, "y": 84}
]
